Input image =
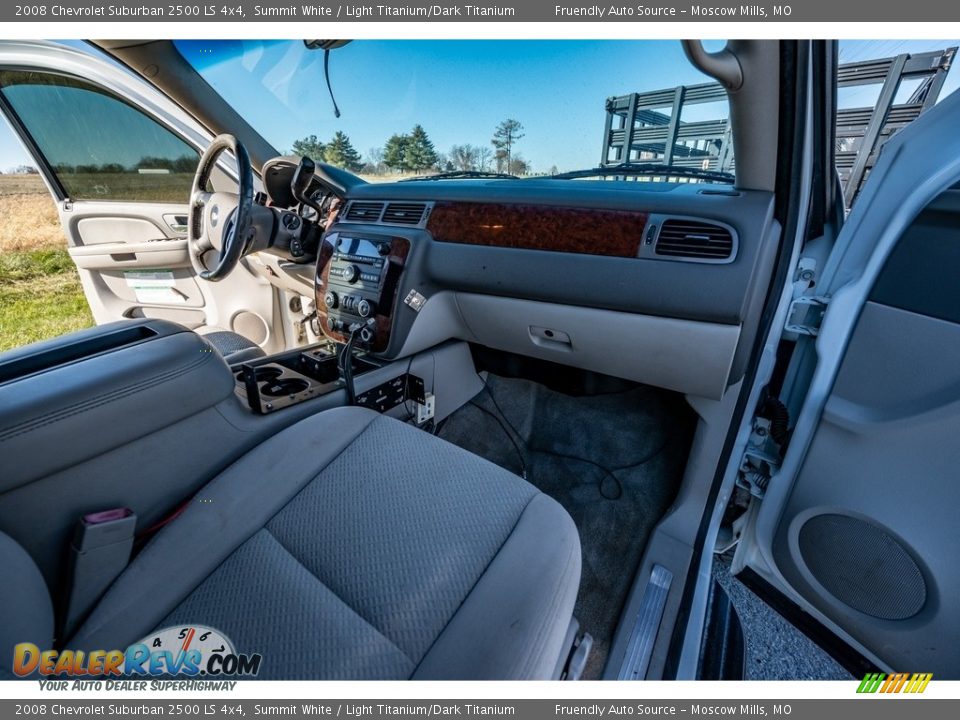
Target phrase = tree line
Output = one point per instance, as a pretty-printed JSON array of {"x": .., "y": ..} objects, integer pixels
[
  {"x": 414, "y": 152},
  {"x": 185, "y": 164}
]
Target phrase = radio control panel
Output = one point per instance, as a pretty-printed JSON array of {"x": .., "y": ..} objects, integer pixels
[{"x": 356, "y": 286}]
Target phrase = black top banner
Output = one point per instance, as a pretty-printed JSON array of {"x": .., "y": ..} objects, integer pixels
[{"x": 526, "y": 11}]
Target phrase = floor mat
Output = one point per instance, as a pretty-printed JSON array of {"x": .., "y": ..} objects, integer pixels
[{"x": 614, "y": 461}]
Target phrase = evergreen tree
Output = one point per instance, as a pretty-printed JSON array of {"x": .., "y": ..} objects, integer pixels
[
  {"x": 395, "y": 153},
  {"x": 341, "y": 153},
  {"x": 420, "y": 153},
  {"x": 310, "y": 147}
]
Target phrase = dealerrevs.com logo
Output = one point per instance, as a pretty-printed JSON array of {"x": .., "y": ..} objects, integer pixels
[{"x": 193, "y": 651}]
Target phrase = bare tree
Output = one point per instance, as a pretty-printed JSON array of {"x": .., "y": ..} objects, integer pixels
[
  {"x": 464, "y": 157},
  {"x": 484, "y": 156},
  {"x": 505, "y": 137},
  {"x": 519, "y": 166},
  {"x": 375, "y": 160}
]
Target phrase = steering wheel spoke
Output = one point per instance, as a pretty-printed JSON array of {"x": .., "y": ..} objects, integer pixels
[
  {"x": 200, "y": 198},
  {"x": 202, "y": 245}
]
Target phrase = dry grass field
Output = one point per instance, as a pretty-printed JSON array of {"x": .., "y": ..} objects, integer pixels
[
  {"x": 29, "y": 218},
  {"x": 40, "y": 294}
]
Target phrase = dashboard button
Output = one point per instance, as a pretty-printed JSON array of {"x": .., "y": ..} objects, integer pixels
[
  {"x": 365, "y": 308},
  {"x": 351, "y": 273}
]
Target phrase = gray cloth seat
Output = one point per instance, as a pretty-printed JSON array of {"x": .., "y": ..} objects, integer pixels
[
  {"x": 353, "y": 546},
  {"x": 233, "y": 347}
]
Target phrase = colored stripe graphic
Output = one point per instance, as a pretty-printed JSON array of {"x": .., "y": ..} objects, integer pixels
[
  {"x": 918, "y": 683},
  {"x": 871, "y": 682},
  {"x": 913, "y": 683}
]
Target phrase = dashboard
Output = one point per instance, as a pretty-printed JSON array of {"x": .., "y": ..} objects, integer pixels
[{"x": 602, "y": 275}]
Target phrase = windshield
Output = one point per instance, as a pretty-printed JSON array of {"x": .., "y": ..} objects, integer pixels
[{"x": 525, "y": 108}]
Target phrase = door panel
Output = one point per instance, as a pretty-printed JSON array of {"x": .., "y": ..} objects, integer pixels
[
  {"x": 868, "y": 533},
  {"x": 871, "y": 536},
  {"x": 120, "y": 165},
  {"x": 129, "y": 258}
]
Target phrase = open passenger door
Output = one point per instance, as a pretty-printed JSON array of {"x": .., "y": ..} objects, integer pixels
[{"x": 858, "y": 524}]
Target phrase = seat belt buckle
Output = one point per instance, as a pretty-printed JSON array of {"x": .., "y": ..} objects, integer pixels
[
  {"x": 99, "y": 552},
  {"x": 101, "y": 529}
]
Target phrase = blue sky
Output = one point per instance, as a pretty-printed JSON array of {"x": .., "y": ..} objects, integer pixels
[{"x": 458, "y": 90}]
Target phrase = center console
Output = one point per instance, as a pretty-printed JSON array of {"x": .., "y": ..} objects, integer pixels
[
  {"x": 357, "y": 282},
  {"x": 357, "y": 285},
  {"x": 278, "y": 381}
]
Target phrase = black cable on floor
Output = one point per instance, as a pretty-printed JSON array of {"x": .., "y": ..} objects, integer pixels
[
  {"x": 609, "y": 473},
  {"x": 523, "y": 464},
  {"x": 345, "y": 362},
  {"x": 411, "y": 414},
  {"x": 617, "y": 484}
]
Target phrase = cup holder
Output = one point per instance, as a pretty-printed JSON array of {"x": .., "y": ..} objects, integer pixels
[
  {"x": 292, "y": 377},
  {"x": 262, "y": 374},
  {"x": 283, "y": 386}
]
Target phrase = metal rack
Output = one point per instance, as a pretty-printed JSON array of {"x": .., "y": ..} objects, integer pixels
[{"x": 651, "y": 126}]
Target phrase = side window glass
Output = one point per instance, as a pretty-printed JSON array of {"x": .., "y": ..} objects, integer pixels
[{"x": 98, "y": 146}]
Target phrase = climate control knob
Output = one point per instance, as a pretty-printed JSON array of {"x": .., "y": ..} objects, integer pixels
[
  {"x": 351, "y": 273},
  {"x": 365, "y": 308},
  {"x": 331, "y": 300}
]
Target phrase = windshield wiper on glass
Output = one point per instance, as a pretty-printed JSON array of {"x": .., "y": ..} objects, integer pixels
[
  {"x": 651, "y": 169},
  {"x": 461, "y": 174}
]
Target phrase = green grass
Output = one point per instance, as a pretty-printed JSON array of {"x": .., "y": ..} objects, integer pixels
[
  {"x": 31, "y": 264},
  {"x": 40, "y": 297}
]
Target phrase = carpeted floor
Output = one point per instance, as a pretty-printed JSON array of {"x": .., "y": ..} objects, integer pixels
[{"x": 614, "y": 461}]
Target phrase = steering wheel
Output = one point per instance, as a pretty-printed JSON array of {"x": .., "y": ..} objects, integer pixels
[{"x": 219, "y": 221}]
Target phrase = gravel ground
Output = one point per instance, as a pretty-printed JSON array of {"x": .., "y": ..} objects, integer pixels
[{"x": 775, "y": 649}]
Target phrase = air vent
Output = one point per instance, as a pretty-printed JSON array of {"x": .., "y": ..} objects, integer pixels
[
  {"x": 694, "y": 240},
  {"x": 364, "y": 211},
  {"x": 404, "y": 213}
]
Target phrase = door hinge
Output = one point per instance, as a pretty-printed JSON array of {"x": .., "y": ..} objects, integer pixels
[
  {"x": 805, "y": 315},
  {"x": 761, "y": 459}
]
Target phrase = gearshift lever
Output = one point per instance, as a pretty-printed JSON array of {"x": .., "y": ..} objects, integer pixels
[{"x": 300, "y": 183}]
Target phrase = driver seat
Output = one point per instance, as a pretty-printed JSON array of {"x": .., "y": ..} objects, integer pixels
[{"x": 233, "y": 347}]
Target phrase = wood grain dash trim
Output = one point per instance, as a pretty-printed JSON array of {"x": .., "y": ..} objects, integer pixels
[{"x": 589, "y": 231}]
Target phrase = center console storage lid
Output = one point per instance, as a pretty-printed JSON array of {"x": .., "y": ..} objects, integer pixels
[{"x": 70, "y": 399}]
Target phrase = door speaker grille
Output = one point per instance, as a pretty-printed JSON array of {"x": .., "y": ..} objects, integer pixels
[{"x": 862, "y": 566}]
